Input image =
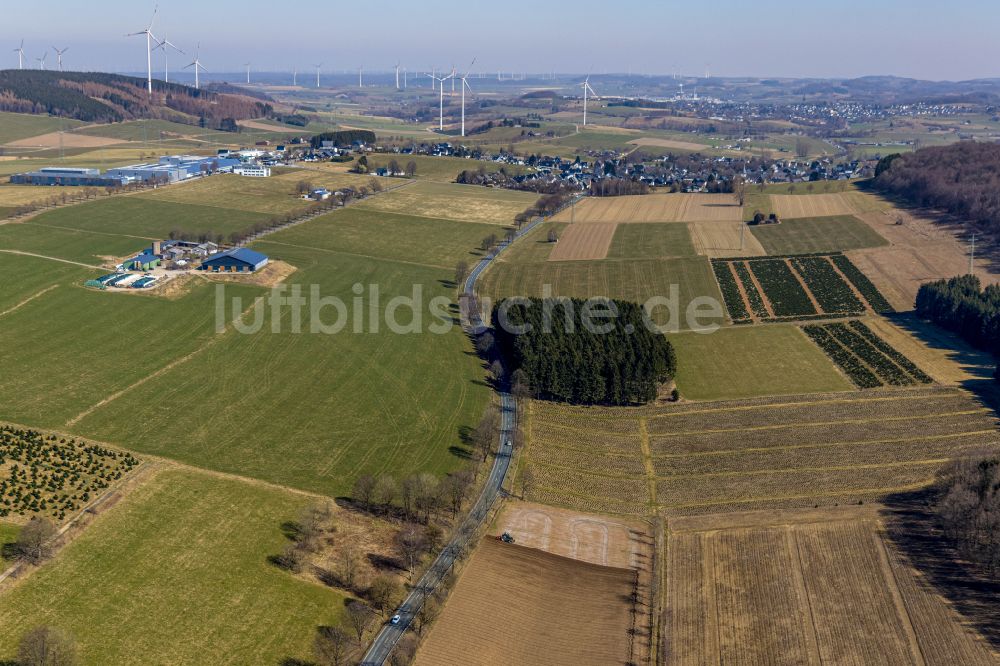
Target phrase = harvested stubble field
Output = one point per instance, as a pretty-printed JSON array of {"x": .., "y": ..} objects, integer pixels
[
  {"x": 723, "y": 238},
  {"x": 584, "y": 241},
  {"x": 806, "y": 587},
  {"x": 922, "y": 248},
  {"x": 654, "y": 208},
  {"x": 823, "y": 205},
  {"x": 774, "y": 452},
  {"x": 516, "y": 605}
]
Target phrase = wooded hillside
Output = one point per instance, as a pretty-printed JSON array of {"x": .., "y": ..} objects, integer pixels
[{"x": 99, "y": 97}]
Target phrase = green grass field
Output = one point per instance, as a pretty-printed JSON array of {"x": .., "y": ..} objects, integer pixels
[
  {"x": 649, "y": 240},
  {"x": 14, "y": 126},
  {"x": 8, "y": 535},
  {"x": 24, "y": 277},
  {"x": 441, "y": 169},
  {"x": 361, "y": 232},
  {"x": 453, "y": 202},
  {"x": 144, "y": 217},
  {"x": 177, "y": 573},
  {"x": 148, "y": 131},
  {"x": 820, "y": 234},
  {"x": 745, "y": 361},
  {"x": 274, "y": 196},
  {"x": 70, "y": 244}
]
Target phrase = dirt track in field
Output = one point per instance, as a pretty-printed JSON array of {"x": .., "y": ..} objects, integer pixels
[
  {"x": 654, "y": 208},
  {"x": 69, "y": 140},
  {"x": 584, "y": 241},
  {"x": 516, "y": 605}
]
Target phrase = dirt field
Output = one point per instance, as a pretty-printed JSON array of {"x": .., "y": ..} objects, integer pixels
[
  {"x": 611, "y": 542},
  {"x": 654, "y": 208},
  {"x": 720, "y": 239},
  {"x": 803, "y": 587},
  {"x": 669, "y": 143},
  {"x": 69, "y": 140},
  {"x": 919, "y": 251},
  {"x": 584, "y": 241},
  {"x": 516, "y": 605}
]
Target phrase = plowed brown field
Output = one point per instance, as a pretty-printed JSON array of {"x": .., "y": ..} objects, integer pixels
[
  {"x": 654, "y": 208},
  {"x": 584, "y": 241},
  {"x": 516, "y": 605}
]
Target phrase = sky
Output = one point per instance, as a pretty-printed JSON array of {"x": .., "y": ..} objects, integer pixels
[{"x": 766, "y": 38}]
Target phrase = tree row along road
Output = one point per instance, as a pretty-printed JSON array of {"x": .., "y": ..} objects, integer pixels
[{"x": 390, "y": 634}]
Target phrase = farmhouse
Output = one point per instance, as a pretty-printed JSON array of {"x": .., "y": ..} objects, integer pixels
[{"x": 237, "y": 260}]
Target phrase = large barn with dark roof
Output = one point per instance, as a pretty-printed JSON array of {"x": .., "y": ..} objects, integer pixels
[{"x": 237, "y": 260}]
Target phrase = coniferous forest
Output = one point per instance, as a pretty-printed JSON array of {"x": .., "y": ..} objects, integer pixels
[
  {"x": 615, "y": 361},
  {"x": 962, "y": 306}
]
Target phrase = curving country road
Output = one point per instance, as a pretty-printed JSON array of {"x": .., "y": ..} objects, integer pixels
[{"x": 390, "y": 634}]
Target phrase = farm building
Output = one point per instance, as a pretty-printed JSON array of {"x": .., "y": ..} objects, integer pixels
[
  {"x": 142, "y": 262},
  {"x": 237, "y": 260}
]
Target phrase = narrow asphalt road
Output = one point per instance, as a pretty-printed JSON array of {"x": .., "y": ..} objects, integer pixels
[{"x": 390, "y": 634}]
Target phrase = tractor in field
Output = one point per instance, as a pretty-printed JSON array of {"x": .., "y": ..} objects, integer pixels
[{"x": 506, "y": 538}]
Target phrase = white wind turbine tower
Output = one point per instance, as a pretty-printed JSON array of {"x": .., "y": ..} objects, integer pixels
[
  {"x": 149, "y": 50},
  {"x": 440, "y": 82},
  {"x": 196, "y": 63},
  {"x": 586, "y": 87},
  {"x": 20, "y": 55},
  {"x": 465, "y": 84},
  {"x": 295, "y": 76},
  {"x": 404, "y": 78},
  {"x": 317, "y": 73},
  {"x": 247, "y": 65},
  {"x": 164, "y": 44},
  {"x": 397, "y": 75},
  {"x": 59, "y": 55},
  {"x": 41, "y": 61},
  {"x": 360, "y": 83}
]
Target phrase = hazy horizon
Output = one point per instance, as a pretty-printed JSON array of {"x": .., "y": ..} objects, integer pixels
[{"x": 772, "y": 38}]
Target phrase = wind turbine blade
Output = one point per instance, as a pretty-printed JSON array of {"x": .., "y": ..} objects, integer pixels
[{"x": 156, "y": 8}]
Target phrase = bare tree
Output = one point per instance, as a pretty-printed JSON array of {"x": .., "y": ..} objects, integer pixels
[
  {"x": 461, "y": 272},
  {"x": 331, "y": 645},
  {"x": 364, "y": 489},
  {"x": 428, "y": 611},
  {"x": 383, "y": 593},
  {"x": 359, "y": 616},
  {"x": 349, "y": 565},
  {"x": 411, "y": 169},
  {"x": 47, "y": 646},
  {"x": 411, "y": 542},
  {"x": 385, "y": 490},
  {"x": 408, "y": 491},
  {"x": 36, "y": 540},
  {"x": 527, "y": 482}
]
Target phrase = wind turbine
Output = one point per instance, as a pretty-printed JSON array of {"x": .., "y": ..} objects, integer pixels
[
  {"x": 317, "y": 73},
  {"x": 163, "y": 44},
  {"x": 360, "y": 84},
  {"x": 59, "y": 55},
  {"x": 20, "y": 55},
  {"x": 397, "y": 75},
  {"x": 440, "y": 82},
  {"x": 41, "y": 61},
  {"x": 196, "y": 63},
  {"x": 295, "y": 76},
  {"x": 404, "y": 78},
  {"x": 465, "y": 84},
  {"x": 247, "y": 65},
  {"x": 148, "y": 32},
  {"x": 586, "y": 87}
]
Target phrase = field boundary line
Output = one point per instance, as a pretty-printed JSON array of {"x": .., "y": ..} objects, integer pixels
[
  {"x": 743, "y": 292},
  {"x": 780, "y": 426},
  {"x": 853, "y": 287},
  {"x": 805, "y": 287},
  {"x": 794, "y": 470},
  {"x": 760, "y": 290},
  {"x": 42, "y": 256},
  {"x": 809, "y": 617},
  {"x": 794, "y": 447},
  {"x": 29, "y": 299},
  {"x": 709, "y": 575},
  {"x": 647, "y": 462},
  {"x": 897, "y": 599},
  {"x": 169, "y": 366},
  {"x": 774, "y": 498}
]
